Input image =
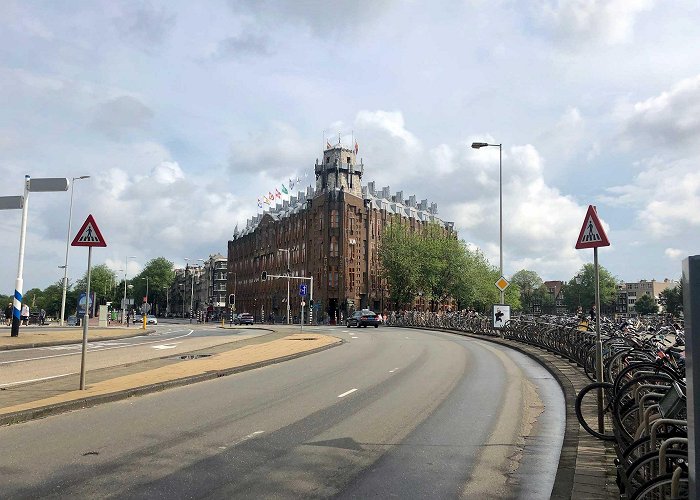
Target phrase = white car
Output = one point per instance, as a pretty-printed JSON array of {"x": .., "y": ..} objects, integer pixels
[{"x": 151, "y": 320}]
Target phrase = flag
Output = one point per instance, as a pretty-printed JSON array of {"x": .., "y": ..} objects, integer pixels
[
  {"x": 328, "y": 145},
  {"x": 266, "y": 200},
  {"x": 278, "y": 194},
  {"x": 259, "y": 203},
  {"x": 271, "y": 196},
  {"x": 284, "y": 189},
  {"x": 356, "y": 147},
  {"x": 291, "y": 184}
]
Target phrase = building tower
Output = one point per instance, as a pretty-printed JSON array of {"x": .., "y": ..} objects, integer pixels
[{"x": 339, "y": 171}]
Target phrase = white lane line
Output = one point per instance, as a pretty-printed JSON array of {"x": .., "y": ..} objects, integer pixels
[
  {"x": 243, "y": 439},
  {"x": 74, "y": 353},
  {"x": 346, "y": 393},
  {"x": 36, "y": 379},
  {"x": 392, "y": 371},
  {"x": 164, "y": 346},
  {"x": 354, "y": 337}
]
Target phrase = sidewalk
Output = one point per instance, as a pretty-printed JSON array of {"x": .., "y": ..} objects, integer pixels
[{"x": 40, "y": 399}]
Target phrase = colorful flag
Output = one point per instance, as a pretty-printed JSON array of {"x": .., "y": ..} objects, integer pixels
[
  {"x": 278, "y": 194},
  {"x": 291, "y": 184},
  {"x": 328, "y": 145},
  {"x": 259, "y": 203},
  {"x": 284, "y": 189},
  {"x": 271, "y": 196},
  {"x": 356, "y": 147},
  {"x": 266, "y": 200}
]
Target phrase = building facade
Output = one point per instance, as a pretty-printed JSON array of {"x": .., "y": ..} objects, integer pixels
[
  {"x": 331, "y": 232},
  {"x": 628, "y": 293}
]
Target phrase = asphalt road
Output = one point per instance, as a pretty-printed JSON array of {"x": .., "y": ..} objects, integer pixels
[
  {"x": 20, "y": 366},
  {"x": 391, "y": 413}
]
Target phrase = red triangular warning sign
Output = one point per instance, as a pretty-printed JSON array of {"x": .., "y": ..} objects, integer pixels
[
  {"x": 592, "y": 233},
  {"x": 89, "y": 235}
]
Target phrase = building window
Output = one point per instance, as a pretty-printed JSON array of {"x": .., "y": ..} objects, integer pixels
[
  {"x": 334, "y": 218},
  {"x": 334, "y": 247}
]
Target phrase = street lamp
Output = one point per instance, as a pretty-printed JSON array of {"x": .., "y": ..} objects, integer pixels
[
  {"x": 577, "y": 279},
  {"x": 126, "y": 272},
  {"x": 167, "y": 300},
  {"x": 478, "y": 145},
  {"x": 65, "y": 265},
  {"x": 146, "y": 278}
]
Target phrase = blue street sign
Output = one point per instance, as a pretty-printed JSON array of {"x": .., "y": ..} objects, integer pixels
[{"x": 302, "y": 289}]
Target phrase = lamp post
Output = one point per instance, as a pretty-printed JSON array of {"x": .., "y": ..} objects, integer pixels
[
  {"x": 200, "y": 284},
  {"x": 577, "y": 279},
  {"x": 478, "y": 145},
  {"x": 126, "y": 272},
  {"x": 167, "y": 300},
  {"x": 65, "y": 265}
]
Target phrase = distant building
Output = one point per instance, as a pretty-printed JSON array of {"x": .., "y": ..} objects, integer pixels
[
  {"x": 555, "y": 291},
  {"x": 332, "y": 232},
  {"x": 628, "y": 293}
]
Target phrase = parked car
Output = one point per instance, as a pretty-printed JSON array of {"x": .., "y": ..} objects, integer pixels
[
  {"x": 244, "y": 319},
  {"x": 72, "y": 321},
  {"x": 363, "y": 318},
  {"x": 151, "y": 320}
]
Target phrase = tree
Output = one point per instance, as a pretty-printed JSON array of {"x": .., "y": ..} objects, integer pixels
[
  {"x": 673, "y": 299},
  {"x": 646, "y": 305},
  {"x": 584, "y": 292},
  {"x": 398, "y": 256},
  {"x": 160, "y": 274},
  {"x": 529, "y": 283},
  {"x": 101, "y": 282}
]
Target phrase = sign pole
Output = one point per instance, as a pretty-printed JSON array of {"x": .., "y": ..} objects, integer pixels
[
  {"x": 599, "y": 343},
  {"x": 19, "y": 282},
  {"x": 86, "y": 317}
]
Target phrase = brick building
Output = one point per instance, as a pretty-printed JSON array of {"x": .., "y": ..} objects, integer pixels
[{"x": 332, "y": 232}]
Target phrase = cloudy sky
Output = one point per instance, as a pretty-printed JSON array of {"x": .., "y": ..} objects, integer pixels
[{"x": 184, "y": 113}]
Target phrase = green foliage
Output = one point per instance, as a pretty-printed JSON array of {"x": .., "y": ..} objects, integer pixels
[
  {"x": 673, "y": 299},
  {"x": 440, "y": 267},
  {"x": 585, "y": 291},
  {"x": 646, "y": 305},
  {"x": 530, "y": 285},
  {"x": 101, "y": 282},
  {"x": 160, "y": 274}
]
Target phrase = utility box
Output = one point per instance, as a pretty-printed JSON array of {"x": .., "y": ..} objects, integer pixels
[{"x": 104, "y": 312}]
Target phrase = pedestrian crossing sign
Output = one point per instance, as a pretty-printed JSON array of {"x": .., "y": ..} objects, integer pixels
[
  {"x": 592, "y": 234},
  {"x": 89, "y": 235}
]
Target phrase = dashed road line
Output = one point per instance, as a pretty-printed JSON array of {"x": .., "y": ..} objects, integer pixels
[{"x": 346, "y": 393}]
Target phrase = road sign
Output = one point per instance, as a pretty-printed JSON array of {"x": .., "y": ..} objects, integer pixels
[
  {"x": 592, "y": 234},
  {"x": 502, "y": 284},
  {"x": 302, "y": 290},
  {"x": 11, "y": 202},
  {"x": 89, "y": 235},
  {"x": 48, "y": 184}
]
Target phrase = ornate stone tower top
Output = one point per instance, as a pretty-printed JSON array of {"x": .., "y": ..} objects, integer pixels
[{"x": 339, "y": 170}]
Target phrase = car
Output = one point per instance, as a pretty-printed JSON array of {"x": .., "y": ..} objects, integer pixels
[
  {"x": 72, "y": 321},
  {"x": 363, "y": 318},
  {"x": 151, "y": 320},
  {"x": 244, "y": 319}
]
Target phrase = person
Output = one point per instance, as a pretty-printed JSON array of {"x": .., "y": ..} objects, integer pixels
[
  {"x": 591, "y": 313},
  {"x": 128, "y": 319},
  {"x": 42, "y": 317},
  {"x": 24, "y": 316},
  {"x": 8, "y": 314},
  {"x": 579, "y": 312}
]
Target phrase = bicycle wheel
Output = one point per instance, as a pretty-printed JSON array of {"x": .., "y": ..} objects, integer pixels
[
  {"x": 660, "y": 487},
  {"x": 587, "y": 402},
  {"x": 646, "y": 467}
]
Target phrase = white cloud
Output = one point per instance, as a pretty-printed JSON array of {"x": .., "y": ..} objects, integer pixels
[
  {"x": 671, "y": 118},
  {"x": 674, "y": 253},
  {"x": 608, "y": 21}
]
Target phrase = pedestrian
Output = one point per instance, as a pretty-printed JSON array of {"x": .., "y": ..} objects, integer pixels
[
  {"x": 24, "y": 316},
  {"x": 42, "y": 317},
  {"x": 128, "y": 319},
  {"x": 591, "y": 313},
  {"x": 8, "y": 314}
]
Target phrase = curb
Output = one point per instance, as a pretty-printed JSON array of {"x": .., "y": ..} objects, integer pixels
[
  {"x": 55, "y": 409},
  {"x": 32, "y": 345},
  {"x": 564, "y": 479}
]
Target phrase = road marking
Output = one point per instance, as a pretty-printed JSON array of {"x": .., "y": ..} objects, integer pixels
[
  {"x": 137, "y": 344},
  {"x": 346, "y": 393},
  {"x": 354, "y": 337},
  {"x": 392, "y": 371},
  {"x": 164, "y": 346},
  {"x": 36, "y": 379}
]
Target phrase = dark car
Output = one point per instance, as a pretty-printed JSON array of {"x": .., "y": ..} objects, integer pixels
[
  {"x": 363, "y": 318},
  {"x": 244, "y": 319}
]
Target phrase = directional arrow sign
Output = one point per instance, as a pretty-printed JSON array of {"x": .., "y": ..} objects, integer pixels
[{"x": 89, "y": 235}]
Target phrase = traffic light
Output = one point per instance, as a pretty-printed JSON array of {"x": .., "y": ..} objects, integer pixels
[
  {"x": 311, "y": 303},
  {"x": 231, "y": 298},
  {"x": 263, "y": 276}
]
